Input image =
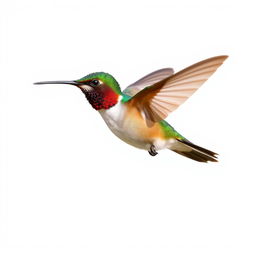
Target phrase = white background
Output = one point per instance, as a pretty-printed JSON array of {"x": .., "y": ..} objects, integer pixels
[{"x": 70, "y": 187}]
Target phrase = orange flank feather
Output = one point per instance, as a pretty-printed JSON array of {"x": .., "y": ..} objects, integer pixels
[{"x": 133, "y": 117}]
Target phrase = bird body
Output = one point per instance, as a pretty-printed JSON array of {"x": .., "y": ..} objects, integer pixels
[
  {"x": 128, "y": 124},
  {"x": 137, "y": 114}
]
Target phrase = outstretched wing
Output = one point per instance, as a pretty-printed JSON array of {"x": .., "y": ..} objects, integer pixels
[
  {"x": 148, "y": 80},
  {"x": 158, "y": 100}
]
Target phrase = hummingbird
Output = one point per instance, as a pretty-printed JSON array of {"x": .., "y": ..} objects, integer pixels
[{"x": 137, "y": 114}]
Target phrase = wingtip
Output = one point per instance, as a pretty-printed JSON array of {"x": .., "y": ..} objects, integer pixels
[
  {"x": 225, "y": 57},
  {"x": 222, "y": 57}
]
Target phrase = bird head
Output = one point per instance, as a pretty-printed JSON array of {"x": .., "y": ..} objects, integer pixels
[{"x": 101, "y": 89}]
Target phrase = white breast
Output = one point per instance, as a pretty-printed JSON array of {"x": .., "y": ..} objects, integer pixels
[{"x": 123, "y": 129}]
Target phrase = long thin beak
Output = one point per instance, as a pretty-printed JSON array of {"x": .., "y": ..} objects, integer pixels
[{"x": 59, "y": 82}]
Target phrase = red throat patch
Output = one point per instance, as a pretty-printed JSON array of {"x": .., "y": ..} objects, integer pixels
[{"x": 102, "y": 98}]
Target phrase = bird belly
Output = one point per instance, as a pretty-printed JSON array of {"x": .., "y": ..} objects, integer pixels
[{"x": 129, "y": 125}]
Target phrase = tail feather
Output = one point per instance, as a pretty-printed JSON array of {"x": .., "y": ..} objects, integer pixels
[{"x": 190, "y": 150}]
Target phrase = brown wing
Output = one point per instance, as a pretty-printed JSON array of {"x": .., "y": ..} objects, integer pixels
[
  {"x": 148, "y": 80},
  {"x": 160, "y": 99}
]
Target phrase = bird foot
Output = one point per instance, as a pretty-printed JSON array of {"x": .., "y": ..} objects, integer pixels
[{"x": 152, "y": 150}]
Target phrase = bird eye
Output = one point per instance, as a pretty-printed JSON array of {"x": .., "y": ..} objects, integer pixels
[{"x": 95, "y": 82}]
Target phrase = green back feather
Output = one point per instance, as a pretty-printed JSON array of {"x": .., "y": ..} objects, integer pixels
[{"x": 169, "y": 131}]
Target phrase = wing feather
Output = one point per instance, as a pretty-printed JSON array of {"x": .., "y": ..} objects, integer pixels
[
  {"x": 158, "y": 100},
  {"x": 148, "y": 80}
]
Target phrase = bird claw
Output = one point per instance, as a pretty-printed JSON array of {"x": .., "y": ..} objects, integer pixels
[{"x": 152, "y": 150}]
